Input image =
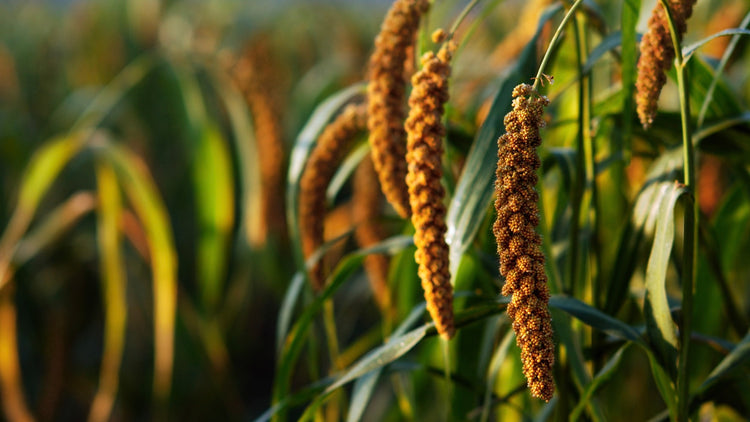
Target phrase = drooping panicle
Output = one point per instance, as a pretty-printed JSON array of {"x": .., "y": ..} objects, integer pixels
[
  {"x": 256, "y": 75},
  {"x": 366, "y": 205},
  {"x": 425, "y": 133},
  {"x": 518, "y": 244},
  {"x": 657, "y": 55},
  {"x": 386, "y": 99},
  {"x": 332, "y": 146}
]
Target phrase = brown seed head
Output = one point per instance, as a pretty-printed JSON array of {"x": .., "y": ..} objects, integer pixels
[
  {"x": 331, "y": 148},
  {"x": 386, "y": 95},
  {"x": 518, "y": 244},
  {"x": 256, "y": 75},
  {"x": 657, "y": 55},
  {"x": 366, "y": 204},
  {"x": 425, "y": 134}
]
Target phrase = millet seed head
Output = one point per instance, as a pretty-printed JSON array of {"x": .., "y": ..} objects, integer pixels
[
  {"x": 325, "y": 158},
  {"x": 657, "y": 55},
  {"x": 386, "y": 98},
  {"x": 425, "y": 134},
  {"x": 518, "y": 244}
]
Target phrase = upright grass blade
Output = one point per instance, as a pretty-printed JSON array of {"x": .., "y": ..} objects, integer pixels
[
  {"x": 143, "y": 195},
  {"x": 660, "y": 327},
  {"x": 602, "y": 377},
  {"x": 214, "y": 195},
  {"x": 364, "y": 386},
  {"x": 114, "y": 292},
  {"x": 301, "y": 150},
  {"x": 476, "y": 186},
  {"x": 719, "y": 70},
  {"x": 43, "y": 169},
  {"x": 493, "y": 371},
  {"x": 211, "y": 167},
  {"x": 246, "y": 153},
  {"x": 13, "y": 398}
]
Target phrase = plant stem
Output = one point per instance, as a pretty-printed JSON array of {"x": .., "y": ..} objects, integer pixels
[
  {"x": 553, "y": 42},
  {"x": 690, "y": 248}
]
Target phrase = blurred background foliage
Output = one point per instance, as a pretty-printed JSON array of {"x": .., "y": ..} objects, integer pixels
[{"x": 143, "y": 262}]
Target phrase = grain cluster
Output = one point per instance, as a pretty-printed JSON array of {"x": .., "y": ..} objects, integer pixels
[{"x": 518, "y": 244}]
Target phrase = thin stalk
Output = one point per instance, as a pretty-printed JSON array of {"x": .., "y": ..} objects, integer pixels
[
  {"x": 329, "y": 322},
  {"x": 553, "y": 43},
  {"x": 690, "y": 248}
]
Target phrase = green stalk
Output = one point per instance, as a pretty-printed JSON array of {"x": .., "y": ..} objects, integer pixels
[
  {"x": 690, "y": 248},
  {"x": 553, "y": 43}
]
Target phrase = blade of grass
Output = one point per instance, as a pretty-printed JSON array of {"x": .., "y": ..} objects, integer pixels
[
  {"x": 144, "y": 196},
  {"x": 295, "y": 339},
  {"x": 602, "y": 377},
  {"x": 493, "y": 372},
  {"x": 660, "y": 327},
  {"x": 55, "y": 225},
  {"x": 45, "y": 166},
  {"x": 719, "y": 70},
  {"x": 246, "y": 153},
  {"x": 13, "y": 398},
  {"x": 114, "y": 296}
]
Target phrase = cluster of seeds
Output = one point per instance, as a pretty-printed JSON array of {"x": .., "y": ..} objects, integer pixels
[
  {"x": 332, "y": 146},
  {"x": 518, "y": 244},
  {"x": 425, "y": 149},
  {"x": 255, "y": 73},
  {"x": 657, "y": 55},
  {"x": 386, "y": 99}
]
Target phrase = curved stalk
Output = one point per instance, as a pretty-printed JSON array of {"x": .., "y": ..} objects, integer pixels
[{"x": 690, "y": 247}]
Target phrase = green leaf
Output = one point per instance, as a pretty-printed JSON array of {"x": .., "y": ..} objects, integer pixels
[
  {"x": 494, "y": 370},
  {"x": 595, "y": 318},
  {"x": 46, "y": 164},
  {"x": 688, "y": 51},
  {"x": 601, "y": 378},
  {"x": 114, "y": 291},
  {"x": 291, "y": 297},
  {"x": 295, "y": 339},
  {"x": 664, "y": 383},
  {"x": 476, "y": 186},
  {"x": 728, "y": 365},
  {"x": 365, "y": 385},
  {"x": 151, "y": 211},
  {"x": 248, "y": 164},
  {"x": 660, "y": 327},
  {"x": 303, "y": 145}
]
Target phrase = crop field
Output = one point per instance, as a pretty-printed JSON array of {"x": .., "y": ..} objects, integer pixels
[{"x": 392, "y": 210}]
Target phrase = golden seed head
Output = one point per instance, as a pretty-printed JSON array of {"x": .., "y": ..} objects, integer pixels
[
  {"x": 425, "y": 134},
  {"x": 386, "y": 97},
  {"x": 439, "y": 35},
  {"x": 657, "y": 55},
  {"x": 325, "y": 158},
  {"x": 518, "y": 245}
]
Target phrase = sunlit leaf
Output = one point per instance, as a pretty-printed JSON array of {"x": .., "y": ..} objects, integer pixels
[
  {"x": 660, "y": 327},
  {"x": 114, "y": 290},
  {"x": 148, "y": 205}
]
